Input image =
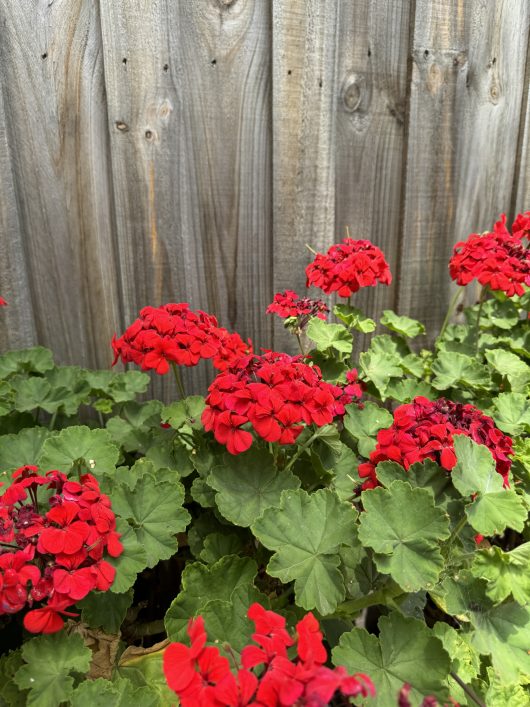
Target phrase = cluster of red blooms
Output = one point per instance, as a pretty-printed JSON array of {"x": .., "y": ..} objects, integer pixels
[
  {"x": 347, "y": 267},
  {"x": 173, "y": 333},
  {"x": 275, "y": 394},
  {"x": 288, "y": 304},
  {"x": 498, "y": 259},
  {"x": 3, "y": 303},
  {"x": 424, "y": 429},
  {"x": 201, "y": 677},
  {"x": 53, "y": 555}
]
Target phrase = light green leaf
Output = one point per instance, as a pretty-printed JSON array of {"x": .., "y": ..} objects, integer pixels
[
  {"x": 402, "y": 325},
  {"x": 118, "y": 693},
  {"x": 154, "y": 510},
  {"x": 510, "y": 366},
  {"x": 354, "y": 318},
  {"x": 133, "y": 428},
  {"x": 248, "y": 484},
  {"x": 62, "y": 389},
  {"x": 185, "y": 412},
  {"x": 405, "y": 651},
  {"x": 500, "y": 694},
  {"x": 506, "y": 572},
  {"x": 492, "y": 513},
  {"x": 105, "y": 610},
  {"x": 33, "y": 360},
  {"x": 146, "y": 670},
  {"x": 20, "y": 449},
  {"x": 50, "y": 661},
  {"x": 407, "y": 543},
  {"x": 380, "y": 367},
  {"x": 345, "y": 478},
  {"x": 72, "y": 381},
  {"x": 407, "y": 389},
  {"x": 132, "y": 560},
  {"x": 364, "y": 425},
  {"x": 503, "y": 315},
  {"x": 201, "y": 584},
  {"x": 91, "y": 448},
  {"x": 327, "y": 336},
  {"x": 426, "y": 474},
  {"x": 456, "y": 370},
  {"x": 511, "y": 412},
  {"x": 306, "y": 533},
  {"x": 465, "y": 660}
]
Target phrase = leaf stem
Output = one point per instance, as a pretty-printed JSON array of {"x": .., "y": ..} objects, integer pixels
[
  {"x": 300, "y": 450},
  {"x": 381, "y": 596},
  {"x": 51, "y": 426},
  {"x": 300, "y": 346},
  {"x": 150, "y": 628},
  {"x": 469, "y": 692},
  {"x": 456, "y": 531},
  {"x": 482, "y": 297},
  {"x": 450, "y": 310},
  {"x": 180, "y": 386},
  {"x": 312, "y": 250}
]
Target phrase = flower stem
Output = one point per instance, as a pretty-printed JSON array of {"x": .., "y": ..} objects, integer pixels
[
  {"x": 482, "y": 297},
  {"x": 51, "y": 426},
  {"x": 180, "y": 386},
  {"x": 469, "y": 692},
  {"x": 381, "y": 596},
  {"x": 312, "y": 250},
  {"x": 300, "y": 450},
  {"x": 300, "y": 346},
  {"x": 450, "y": 310}
]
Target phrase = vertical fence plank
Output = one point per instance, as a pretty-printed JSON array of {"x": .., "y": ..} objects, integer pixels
[
  {"x": 17, "y": 325},
  {"x": 467, "y": 80},
  {"x": 56, "y": 127},
  {"x": 371, "y": 114},
  {"x": 304, "y": 102},
  {"x": 189, "y": 111},
  {"x": 521, "y": 190}
]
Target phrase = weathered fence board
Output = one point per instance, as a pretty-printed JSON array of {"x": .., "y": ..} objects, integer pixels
[
  {"x": 189, "y": 102},
  {"x": 187, "y": 151},
  {"x": 56, "y": 126},
  {"x": 467, "y": 83}
]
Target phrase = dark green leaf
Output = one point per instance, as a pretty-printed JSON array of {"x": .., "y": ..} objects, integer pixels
[
  {"x": 364, "y": 425},
  {"x": 105, "y": 610}
]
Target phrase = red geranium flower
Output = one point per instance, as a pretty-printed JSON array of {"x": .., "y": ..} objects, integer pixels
[
  {"x": 424, "y": 429},
  {"x": 521, "y": 225},
  {"x": 3, "y": 303},
  {"x": 347, "y": 267},
  {"x": 288, "y": 305}
]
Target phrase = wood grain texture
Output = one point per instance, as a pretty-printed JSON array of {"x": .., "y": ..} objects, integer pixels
[
  {"x": 305, "y": 35},
  {"x": 466, "y": 92},
  {"x": 17, "y": 324},
  {"x": 56, "y": 129},
  {"x": 188, "y": 89},
  {"x": 371, "y": 111},
  {"x": 521, "y": 182}
]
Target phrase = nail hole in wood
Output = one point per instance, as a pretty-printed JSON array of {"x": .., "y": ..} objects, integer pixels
[
  {"x": 124, "y": 60},
  {"x": 148, "y": 134},
  {"x": 44, "y": 56},
  {"x": 165, "y": 67},
  {"x": 214, "y": 62},
  {"x": 369, "y": 52},
  {"x": 426, "y": 53},
  {"x": 320, "y": 83},
  {"x": 289, "y": 72}
]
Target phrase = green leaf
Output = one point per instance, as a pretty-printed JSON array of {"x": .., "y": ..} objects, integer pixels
[
  {"x": 306, "y": 533},
  {"x": 119, "y": 387},
  {"x": 510, "y": 366},
  {"x": 354, "y": 318},
  {"x": 36, "y": 392},
  {"x": 511, "y": 412},
  {"x": 407, "y": 389},
  {"x": 50, "y": 661},
  {"x": 201, "y": 584},
  {"x": 9, "y": 692},
  {"x": 92, "y": 448},
  {"x": 105, "y": 610},
  {"x": 185, "y": 412},
  {"x": 380, "y": 367},
  {"x": 133, "y": 428},
  {"x": 154, "y": 510},
  {"x": 132, "y": 560},
  {"x": 217, "y": 545},
  {"x": 426, "y": 474},
  {"x": 402, "y": 325},
  {"x": 248, "y": 484},
  {"x": 364, "y": 425},
  {"x": 494, "y": 508},
  {"x": 71, "y": 381},
  {"x": 34, "y": 360},
  {"x": 118, "y": 693},
  {"x": 203, "y": 493},
  {"x": 407, "y": 543},
  {"x": 500, "y": 694},
  {"x": 146, "y": 670},
  {"x": 327, "y": 336},
  {"x": 19, "y": 449},
  {"x": 345, "y": 478},
  {"x": 405, "y": 651},
  {"x": 465, "y": 660},
  {"x": 455, "y": 370},
  {"x": 503, "y": 315},
  {"x": 506, "y": 572}
]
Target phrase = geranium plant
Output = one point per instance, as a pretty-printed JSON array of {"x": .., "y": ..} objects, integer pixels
[{"x": 327, "y": 528}]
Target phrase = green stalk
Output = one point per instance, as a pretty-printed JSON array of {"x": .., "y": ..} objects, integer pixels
[
  {"x": 381, "y": 596},
  {"x": 450, "y": 310},
  {"x": 482, "y": 297},
  {"x": 300, "y": 450},
  {"x": 180, "y": 386}
]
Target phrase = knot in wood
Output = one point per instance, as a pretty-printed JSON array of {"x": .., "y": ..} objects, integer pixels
[
  {"x": 352, "y": 89},
  {"x": 150, "y": 135},
  {"x": 226, "y": 3},
  {"x": 121, "y": 126}
]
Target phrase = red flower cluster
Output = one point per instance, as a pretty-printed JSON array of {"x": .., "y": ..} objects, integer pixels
[
  {"x": 201, "y": 677},
  {"x": 288, "y": 304},
  {"x": 498, "y": 259},
  {"x": 53, "y": 556},
  {"x": 424, "y": 429},
  {"x": 173, "y": 333},
  {"x": 347, "y": 267},
  {"x": 275, "y": 394},
  {"x": 3, "y": 303}
]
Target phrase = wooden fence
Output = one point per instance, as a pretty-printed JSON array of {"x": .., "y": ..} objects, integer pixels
[{"x": 186, "y": 150}]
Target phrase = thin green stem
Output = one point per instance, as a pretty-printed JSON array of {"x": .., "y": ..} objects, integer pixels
[
  {"x": 180, "y": 386},
  {"x": 469, "y": 692},
  {"x": 483, "y": 293},
  {"x": 51, "y": 426},
  {"x": 381, "y": 596},
  {"x": 300, "y": 451},
  {"x": 450, "y": 311},
  {"x": 300, "y": 345},
  {"x": 456, "y": 531},
  {"x": 312, "y": 250}
]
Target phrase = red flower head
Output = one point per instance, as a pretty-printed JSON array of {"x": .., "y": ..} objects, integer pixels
[
  {"x": 521, "y": 226},
  {"x": 173, "y": 333},
  {"x": 498, "y": 259},
  {"x": 61, "y": 549},
  {"x": 3, "y": 303},
  {"x": 424, "y": 429},
  {"x": 201, "y": 677},
  {"x": 347, "y": 267},
  {"x": 288, "y": 305},
  {"x": 274, "y": 394}
]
